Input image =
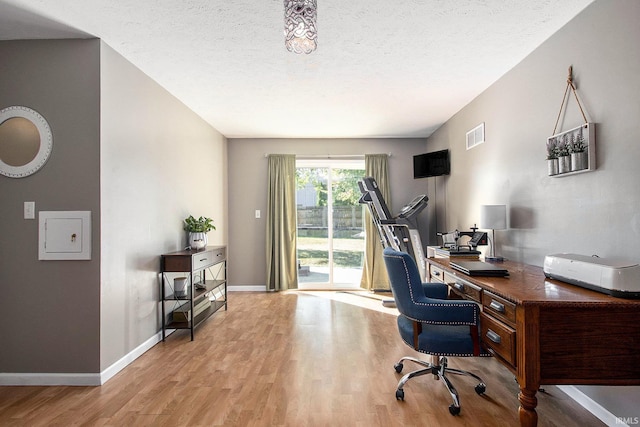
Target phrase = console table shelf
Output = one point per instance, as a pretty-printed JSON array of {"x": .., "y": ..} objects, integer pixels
[
  {"x": 201, "y": 317},
  {"x": 206, "y": 291}
]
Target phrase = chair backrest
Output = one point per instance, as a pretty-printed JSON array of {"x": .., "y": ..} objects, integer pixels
[{"x": 405, "y": 281}]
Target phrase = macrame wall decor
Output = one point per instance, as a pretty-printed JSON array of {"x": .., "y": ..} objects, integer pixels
[{"x": 572, "y": 151}]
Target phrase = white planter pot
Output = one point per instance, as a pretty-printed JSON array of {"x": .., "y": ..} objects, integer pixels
[
  {"x": 552, "y": 165},
  {"x": 197, "y": 240}
]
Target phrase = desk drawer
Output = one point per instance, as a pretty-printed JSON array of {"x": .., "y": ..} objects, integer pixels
[
  {"x": 466, "y": 289},
  {"x": 498, "y": 337},
  {"x": 499, "y": 307},
  {"x": 436, "y": 274}
]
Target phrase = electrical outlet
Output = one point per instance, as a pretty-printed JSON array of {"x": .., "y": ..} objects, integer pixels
[{"x": 257, "y": 213}]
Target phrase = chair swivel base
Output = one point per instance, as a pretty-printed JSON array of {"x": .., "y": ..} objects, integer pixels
[{"x": 439, "y": 370}]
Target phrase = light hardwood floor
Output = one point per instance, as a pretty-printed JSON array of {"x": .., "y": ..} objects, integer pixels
[{"x": 283, "y": 359}]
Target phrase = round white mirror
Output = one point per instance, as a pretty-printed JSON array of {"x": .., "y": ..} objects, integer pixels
[{"x": 25, "y": 141}]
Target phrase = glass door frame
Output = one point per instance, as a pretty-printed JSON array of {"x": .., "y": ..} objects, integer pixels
[{"x": 330, "y": 163}]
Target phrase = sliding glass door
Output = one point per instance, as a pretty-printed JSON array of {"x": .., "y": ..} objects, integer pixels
[{"x": 330, "y": 229}]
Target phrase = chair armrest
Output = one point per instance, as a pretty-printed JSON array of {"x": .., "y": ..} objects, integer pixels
[{"x": 436, "y": 290}]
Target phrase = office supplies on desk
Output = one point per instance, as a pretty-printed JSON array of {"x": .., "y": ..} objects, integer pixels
[
  {"x": 479, "y": 268},
  {"x": 459, "y": 254},
  {"x": 451, "y": 240}
]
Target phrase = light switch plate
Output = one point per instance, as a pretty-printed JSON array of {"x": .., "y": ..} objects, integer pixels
[{"x": 29, "y": 210}]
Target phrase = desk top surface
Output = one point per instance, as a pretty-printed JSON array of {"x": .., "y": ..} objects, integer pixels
[{"x": 527, "y": 284}]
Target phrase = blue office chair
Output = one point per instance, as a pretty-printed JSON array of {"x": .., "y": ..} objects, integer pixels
[{"x": 432, "y": 324}]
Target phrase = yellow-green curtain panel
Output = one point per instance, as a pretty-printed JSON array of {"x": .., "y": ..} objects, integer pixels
[
  {"x": 374, "y": 272},
  {"x": 282, "y": 267}
]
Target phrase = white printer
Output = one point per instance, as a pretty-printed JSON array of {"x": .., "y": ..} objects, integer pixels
[{"x": 613, "y": 277}]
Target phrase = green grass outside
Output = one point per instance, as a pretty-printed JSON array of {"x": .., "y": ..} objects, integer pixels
[{"x": 346, "y": 252}]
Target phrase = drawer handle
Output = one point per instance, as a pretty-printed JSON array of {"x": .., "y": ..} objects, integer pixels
[
  {"x": 459, "y": 286},
  {"x": 203, "y": 259},
  {"x": 493, "y": 336},
  {"x": 436, "y": 273},
  {"x": 497, "y": 306}
]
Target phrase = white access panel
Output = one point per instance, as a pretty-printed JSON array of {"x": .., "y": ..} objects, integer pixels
[{"x": 65, "y": 235}]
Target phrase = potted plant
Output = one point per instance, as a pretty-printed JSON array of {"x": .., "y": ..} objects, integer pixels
[
  {"x": 564, "y": 161},
  {"x": 198, "y": 229},
  {"x": 578, "y": 155},
  {"x": 552, "y": 156}
]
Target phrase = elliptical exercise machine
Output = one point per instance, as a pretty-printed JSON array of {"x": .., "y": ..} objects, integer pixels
[{"x": 398, "y": 232}]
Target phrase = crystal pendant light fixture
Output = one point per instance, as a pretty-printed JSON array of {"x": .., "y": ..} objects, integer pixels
[{"x": 300, "y": 31}]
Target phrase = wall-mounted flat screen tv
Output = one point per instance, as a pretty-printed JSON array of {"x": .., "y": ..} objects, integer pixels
[{"x": 435, "y": 163}]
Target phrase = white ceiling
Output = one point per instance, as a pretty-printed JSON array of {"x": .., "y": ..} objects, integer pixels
[{"x": 383, "y": 68}]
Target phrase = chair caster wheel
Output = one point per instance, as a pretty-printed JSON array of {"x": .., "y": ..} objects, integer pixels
[
  {"x": 399, "y": 394},
  {"x": 398, "y": 367},
  {"x": 481, "y": 388},
  {"x": 455, "y": 410}
]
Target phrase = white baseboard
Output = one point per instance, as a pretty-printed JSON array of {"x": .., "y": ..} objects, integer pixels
[
  {"x": 258, "y": 288},
  {"x": 95, "y": 379},
  {"x": 77, "y": 379},
  {"x": 108, "y": 373},
  {"x": 592, "y": 406},
  {"x": 47, "y": 379}
]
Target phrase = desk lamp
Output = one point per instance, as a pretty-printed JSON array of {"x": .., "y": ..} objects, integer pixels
[{"x": 493, "y": 217}]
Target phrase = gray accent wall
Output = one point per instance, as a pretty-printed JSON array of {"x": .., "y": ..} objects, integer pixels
[
  {"x": 248, "y": 190},
  {"x": 50, "y": 316},
  {"x": 139, "y": 160},
  {"x": 590, "y": 213}
]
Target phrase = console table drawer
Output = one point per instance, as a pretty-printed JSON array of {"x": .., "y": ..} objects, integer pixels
[
  {"x": 498, "y": 337},
  {"x": 218, "y": 254},
  {"x": 207, "y": 258},
  {"x": 202, "y": 259},
  {"x": 499, "y": 307},
  {"x": 191, "y": 261}
]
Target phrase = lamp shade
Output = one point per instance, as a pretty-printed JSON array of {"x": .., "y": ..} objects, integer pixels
[{"x": 493, "y": 217}]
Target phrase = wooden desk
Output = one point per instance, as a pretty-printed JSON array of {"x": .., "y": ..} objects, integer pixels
[{"x": 550, "y": 332}]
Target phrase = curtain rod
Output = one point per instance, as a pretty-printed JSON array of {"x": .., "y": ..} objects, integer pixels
[{"x": 327, "y": 156}]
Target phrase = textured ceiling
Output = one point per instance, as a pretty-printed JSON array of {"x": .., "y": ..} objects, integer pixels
[{"x": 392, "y": 68}]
